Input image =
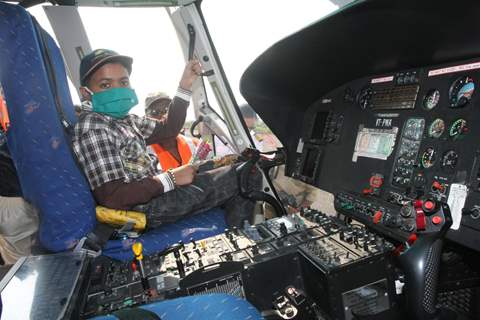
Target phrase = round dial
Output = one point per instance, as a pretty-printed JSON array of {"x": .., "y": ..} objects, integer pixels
[
  {"x": 458, "y": 128},
  {"x": 431, "y": 99},
  {"x": 449, "y": 160},
  {"x": 364, "y": 97},
  {"x": 429, "y": 157},
  {"x": 461, "y": 92},
  {"x": 436, "y": 129}
]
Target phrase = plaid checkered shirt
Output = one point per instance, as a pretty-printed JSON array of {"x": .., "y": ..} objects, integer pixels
[{"x": 110, "y": 149}]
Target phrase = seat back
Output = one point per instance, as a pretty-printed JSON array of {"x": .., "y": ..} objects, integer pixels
[{"x": 35, "y": 86}]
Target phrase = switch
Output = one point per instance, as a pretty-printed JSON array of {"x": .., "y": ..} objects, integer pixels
[
  {"x": 235, "y": 231},
  {"x": 283, "y": 229},
  {"x": 421, "y": 221},
  {"x": 377, "y": 217},
  {"x": 437, "y": 186}
]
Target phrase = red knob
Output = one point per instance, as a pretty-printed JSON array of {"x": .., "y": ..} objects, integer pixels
[
  {"x": 429, "y": 205},
  {"x": 437, "y": 220}
]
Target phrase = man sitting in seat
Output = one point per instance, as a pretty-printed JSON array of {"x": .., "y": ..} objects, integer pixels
[
  {"x": 174, "y": 152},
  {"x": 111, "y": 146}
]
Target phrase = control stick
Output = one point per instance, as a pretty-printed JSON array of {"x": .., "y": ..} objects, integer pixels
[{"x": 421, "y": 261}]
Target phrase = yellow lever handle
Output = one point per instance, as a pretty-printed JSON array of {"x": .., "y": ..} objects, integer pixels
[{"x": 137, "y": 249}]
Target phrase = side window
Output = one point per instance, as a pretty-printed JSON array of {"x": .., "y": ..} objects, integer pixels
[
  {"x": 262, "y": 136},
  {"x": 238, "y": 20},
  {"x": 220, "y": 148}
]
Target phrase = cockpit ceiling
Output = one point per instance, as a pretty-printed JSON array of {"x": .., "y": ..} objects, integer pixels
[
  {"x": 364, "y": 38},
  {"x": 104, "y": 3}
]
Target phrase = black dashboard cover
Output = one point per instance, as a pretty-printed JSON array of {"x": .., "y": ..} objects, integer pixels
[{"x": 365, "y": 38}]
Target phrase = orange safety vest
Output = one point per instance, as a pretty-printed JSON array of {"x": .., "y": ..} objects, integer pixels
[
  {"x": 4, "y": 120},
  {"x": 186, "y": 148}
]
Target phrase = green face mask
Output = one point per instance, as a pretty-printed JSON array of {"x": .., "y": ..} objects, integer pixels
[{"x": 115, "y": 102}]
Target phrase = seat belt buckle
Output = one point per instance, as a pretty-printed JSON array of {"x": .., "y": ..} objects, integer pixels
[
  {"x": 89, "y": 252},
  {"x": 127, "y": 231}
]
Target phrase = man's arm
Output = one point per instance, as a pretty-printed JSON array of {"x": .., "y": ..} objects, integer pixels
[
  {"x": 124, "y": 196},
  {"x": 178, "y": 108},
  {"x": 177, "y": 112}
]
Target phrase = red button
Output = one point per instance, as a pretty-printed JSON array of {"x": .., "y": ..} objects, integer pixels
[
  {"x": 377, "y": 216},
  {"x": 437, "y": 220},
  {"x": 429, "y": 205}
]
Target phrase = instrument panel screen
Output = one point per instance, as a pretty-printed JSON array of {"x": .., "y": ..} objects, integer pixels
[{"x": 319, "y": 126}]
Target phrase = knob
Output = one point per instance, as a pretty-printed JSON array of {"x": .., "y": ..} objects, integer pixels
[
  {"x": 407, "y": 211},
  {"x": 429, "y": 206},
  {"x": 137, "y": 249}
]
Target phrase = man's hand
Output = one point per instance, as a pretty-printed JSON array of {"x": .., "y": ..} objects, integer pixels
[
  {"x": 192, "y": 70},
  {"x": 184, "y": 175}
]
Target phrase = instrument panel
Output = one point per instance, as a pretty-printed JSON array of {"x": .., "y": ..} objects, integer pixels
[{"x": 414, "y": 132}]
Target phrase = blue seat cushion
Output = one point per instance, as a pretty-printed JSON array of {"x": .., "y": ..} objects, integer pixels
[
  {"x": 199, "y": 226},
  {"x": 204, "y": 307}
]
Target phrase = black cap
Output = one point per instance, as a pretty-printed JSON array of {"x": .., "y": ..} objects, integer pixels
[{"x": 97, "y": 58}]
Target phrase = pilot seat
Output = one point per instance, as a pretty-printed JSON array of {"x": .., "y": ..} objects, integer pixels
[{"x": 41, "y": 112}]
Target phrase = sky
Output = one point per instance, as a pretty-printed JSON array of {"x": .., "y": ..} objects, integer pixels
[{"x": 241, "y": 31}]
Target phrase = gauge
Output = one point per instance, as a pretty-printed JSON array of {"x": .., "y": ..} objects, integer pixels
[
  {"x": 436, "y": 129},
  {"x": 458, "y": 128},
  {"x": 414, "y": 128},
  {"x": 449, "y": 160},
  {"x": 364, "y": 97},
  {"x": 419, "y": 180},
  {"x": 431, "y": 99},
  {"x": 429, "y": 157},
  {"x": 461, "y": 92}
]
